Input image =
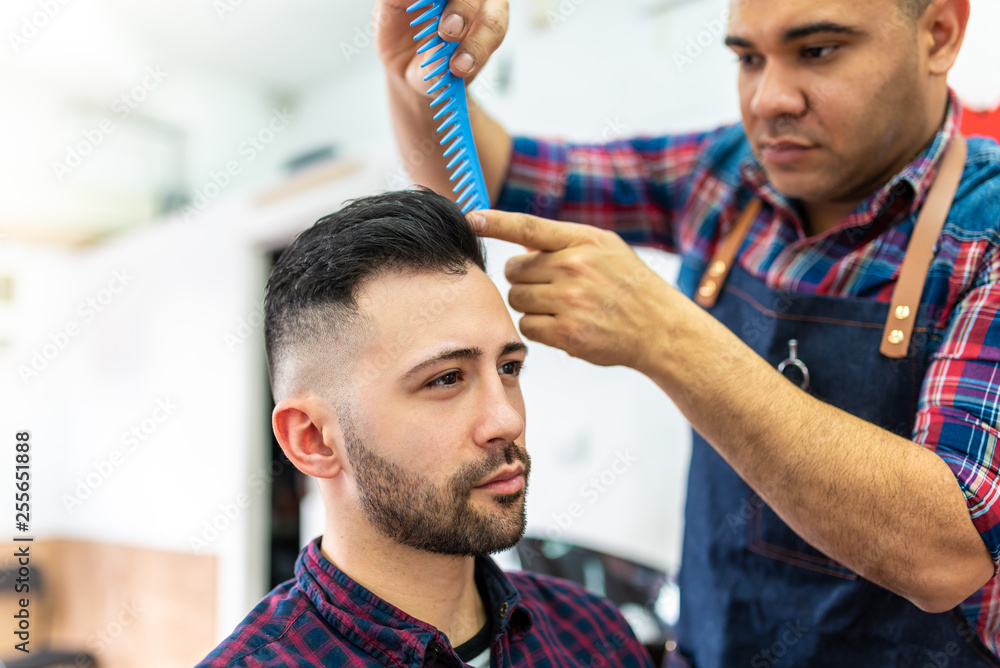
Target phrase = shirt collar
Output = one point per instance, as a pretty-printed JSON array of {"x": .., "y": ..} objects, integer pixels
[
  {"x": 919, "y": 174},
  {"x": 504, "y": 600},
  {"x": 357, "y": 613},
  {"x": 913, "y": 182}
]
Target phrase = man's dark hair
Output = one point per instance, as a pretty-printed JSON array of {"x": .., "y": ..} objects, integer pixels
[{"x": 311, "y": 302}]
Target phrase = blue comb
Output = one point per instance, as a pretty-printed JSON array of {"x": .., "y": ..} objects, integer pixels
[{"x": 468, "y": 174}]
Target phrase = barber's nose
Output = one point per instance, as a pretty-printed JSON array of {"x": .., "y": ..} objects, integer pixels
[
  {"x": 776, "y": 94},
  {"x": 500, "y": 418}
]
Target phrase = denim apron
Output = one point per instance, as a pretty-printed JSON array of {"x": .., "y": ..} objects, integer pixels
[{"x": 753, "y": 593}]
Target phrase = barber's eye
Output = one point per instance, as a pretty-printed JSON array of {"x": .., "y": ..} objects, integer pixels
[
  {"x": 512, "y": 368},
  {"x": 450, "y": 378},
  {"x": 749, "y": 59},
  {"x": 818, "y": 52}
]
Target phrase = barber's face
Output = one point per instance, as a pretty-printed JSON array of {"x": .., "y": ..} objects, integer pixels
[
  {"x": 435, "y": 437},
  {"x": 831, "y": 93}
]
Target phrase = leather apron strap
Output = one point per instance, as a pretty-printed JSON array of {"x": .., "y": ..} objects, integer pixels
[
  {"x": 725, "y": 255},
  {"x": 912, "y": 272}
]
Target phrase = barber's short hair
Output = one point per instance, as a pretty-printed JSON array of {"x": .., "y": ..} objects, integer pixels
[
  {"x": 915, "y": 8},
  {"x": 311, "y": 308}
]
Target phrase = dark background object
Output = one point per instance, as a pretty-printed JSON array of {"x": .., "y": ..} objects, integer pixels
[
  {"x": 636, "y": 589},
  {"x": 287, "y": 492}
]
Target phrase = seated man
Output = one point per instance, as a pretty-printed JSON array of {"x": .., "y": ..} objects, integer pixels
[{"x": 394, "y": 364}]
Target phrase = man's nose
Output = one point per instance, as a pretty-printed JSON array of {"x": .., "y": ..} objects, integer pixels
[
  {"x": 777, "y": 94},
  {"x": 500, "y": 418}
]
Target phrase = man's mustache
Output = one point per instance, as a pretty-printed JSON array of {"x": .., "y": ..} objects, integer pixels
[{"x": 496, "y": 457}]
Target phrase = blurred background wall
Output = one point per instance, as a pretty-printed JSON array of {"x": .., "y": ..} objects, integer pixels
[{"x": 157, "y": 154}]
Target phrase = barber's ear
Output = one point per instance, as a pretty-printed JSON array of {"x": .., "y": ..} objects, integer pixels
[
  {"x": 310, "y": 436},
  {"x": 944, "y": 23}
]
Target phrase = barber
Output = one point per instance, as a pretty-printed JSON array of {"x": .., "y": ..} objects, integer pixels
[{"x": 834, "y": 341}]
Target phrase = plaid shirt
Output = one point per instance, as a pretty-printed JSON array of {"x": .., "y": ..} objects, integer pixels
[
  {"x": 324, "y": 618},
  {"x": 683, "y": 193}
]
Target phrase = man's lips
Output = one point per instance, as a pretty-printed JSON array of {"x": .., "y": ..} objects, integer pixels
[
  {"x": 506, "y": 481},
  {"x": 779, "y": 150}
]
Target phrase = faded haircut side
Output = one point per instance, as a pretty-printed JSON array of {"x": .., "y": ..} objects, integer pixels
[{"x": 312, "y": 324}]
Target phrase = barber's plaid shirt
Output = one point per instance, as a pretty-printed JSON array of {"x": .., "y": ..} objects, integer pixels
[
  {"x": 683, "y": 193},
  {"x": 324, "y": 618}
]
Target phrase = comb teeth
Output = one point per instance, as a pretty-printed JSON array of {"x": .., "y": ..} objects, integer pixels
[
  {"x": 443, "y": 110},
  {"x": 428, "y": 30},
  {"x": 455, "y": 129},
  {"x": 430, "y": 44},
  {"x": 440, "y": 69},
  {"x": 458, "y": 156},
  {"x": 426, "y": 16}
]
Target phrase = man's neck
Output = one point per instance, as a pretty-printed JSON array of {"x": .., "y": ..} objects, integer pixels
[
  {"x": 820, "y": 218},
  {"x": 437, "y": 589}
]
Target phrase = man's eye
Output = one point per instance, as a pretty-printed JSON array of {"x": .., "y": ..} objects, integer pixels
[
  {"x": 749, "y": 59},
  {"x": 818, "y": 52},
  {"x": 512, "y": 368},
  {"x": 450, "y": 378}
]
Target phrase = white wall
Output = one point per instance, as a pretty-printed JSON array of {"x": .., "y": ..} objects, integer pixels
[{"x": 976, "y": 75}]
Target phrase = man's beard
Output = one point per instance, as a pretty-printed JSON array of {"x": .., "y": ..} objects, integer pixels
[{"x": 435, "y": 518}]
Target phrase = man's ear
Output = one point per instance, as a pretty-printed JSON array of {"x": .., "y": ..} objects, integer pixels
[
  {"x": 310, "y": 436},
  {"x": 944, "y": 24}
]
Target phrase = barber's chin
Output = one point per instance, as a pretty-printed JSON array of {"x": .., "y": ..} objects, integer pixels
[{"x": 797, "y": 185}]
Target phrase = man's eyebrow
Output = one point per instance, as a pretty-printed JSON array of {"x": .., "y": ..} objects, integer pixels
[
  {"x": 453, "y": 354},
  {"x": 732, "y": 41},
  {"x": 462, "y": 354},
  {"x": 797, "y": 33},
  {"x": 824, "y": 27},
  {"x": 513, "y": 347}
]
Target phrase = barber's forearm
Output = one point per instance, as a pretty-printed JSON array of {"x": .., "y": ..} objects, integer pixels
[
  {"x": 878, "y": 503},
  {"x": 494, "y": 145},
  {"x": 414, "y": 127}
]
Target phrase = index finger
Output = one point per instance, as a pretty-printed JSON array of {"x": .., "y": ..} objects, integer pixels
[{"x": 529, "y": 231}]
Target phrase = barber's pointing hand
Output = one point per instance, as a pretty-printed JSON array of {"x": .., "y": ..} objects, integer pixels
[{"x": 584, "y": 290}]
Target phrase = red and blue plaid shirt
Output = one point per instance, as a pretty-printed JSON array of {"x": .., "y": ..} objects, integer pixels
[
  {"x": 324, "y": 618},
  {"x": 683, "y": 193}
]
